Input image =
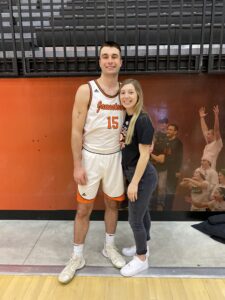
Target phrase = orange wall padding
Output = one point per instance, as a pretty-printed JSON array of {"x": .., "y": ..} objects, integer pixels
[{"x": 36, "y": 167}]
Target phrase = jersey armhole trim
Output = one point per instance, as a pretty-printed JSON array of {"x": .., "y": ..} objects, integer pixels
[{"x": 90, "y": 98}]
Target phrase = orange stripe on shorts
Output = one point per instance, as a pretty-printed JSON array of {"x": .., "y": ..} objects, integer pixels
[
  {"x": 83, "y": 200},
  {"x": 120, "y": 198}
]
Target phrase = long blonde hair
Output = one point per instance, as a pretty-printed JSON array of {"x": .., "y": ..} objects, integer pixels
[{"x": 137, "y": 109}]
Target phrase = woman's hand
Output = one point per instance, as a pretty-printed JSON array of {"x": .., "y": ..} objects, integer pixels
[
  {"x": 122, "y": 141},
  {"x": 132, "y": 191}
]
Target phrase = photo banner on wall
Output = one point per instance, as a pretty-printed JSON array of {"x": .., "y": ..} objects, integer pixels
[{"x": 189, "y": 156}]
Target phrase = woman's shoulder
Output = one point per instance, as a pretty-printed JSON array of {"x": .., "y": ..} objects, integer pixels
[
  {"x": 143, "y": 116},
  {"x": 143, "y": 119}
]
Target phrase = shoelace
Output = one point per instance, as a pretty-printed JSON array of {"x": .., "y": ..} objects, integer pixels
[
  {"x": 114, "y": 253},
  {"x": 72, "y": 263}
]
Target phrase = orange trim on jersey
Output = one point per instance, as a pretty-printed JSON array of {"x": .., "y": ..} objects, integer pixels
[
  {"x": 100, "y": 88},
  {"x": 90, "y": 98},
  {"x": 83, "y": 200},
  {"x": 120, "y": 198}
]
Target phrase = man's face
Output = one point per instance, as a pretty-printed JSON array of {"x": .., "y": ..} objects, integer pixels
[
  {"x": 171, "y": 132},
  {"x": 217, "y": 195},
  {"x": 110, "y": 60},
  {"x": 221, "y": 178},
  {"x": 210, "y": 136},
  {"x": 205, "y": 164},
  {"x": 162, "y": 127}
]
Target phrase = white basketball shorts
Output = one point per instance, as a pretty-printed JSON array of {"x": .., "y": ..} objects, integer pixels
[{"x": 102, "y": 167}]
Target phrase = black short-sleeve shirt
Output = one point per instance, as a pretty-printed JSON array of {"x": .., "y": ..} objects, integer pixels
[{"x": 143, "y": 134}]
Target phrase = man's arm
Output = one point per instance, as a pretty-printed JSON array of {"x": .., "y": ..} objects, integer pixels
[
  {"x": 185, "y": 183},
  {"x": 216, "y": 122},
  {"x": 204, "y": 127},
  {"x": 212, "y": 179},
  {"x": 158, "y": 158},
  {"x": 179, "y": 157},
  {"x": 202, "y": 204},
  {"x": 79, "y": 114},
  {"x": 196, "y": 183}
]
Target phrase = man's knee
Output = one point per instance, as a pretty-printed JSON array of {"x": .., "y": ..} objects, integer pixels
[
  {"x": 111, "y": 205},
  {"x": 84, "y": 211}
]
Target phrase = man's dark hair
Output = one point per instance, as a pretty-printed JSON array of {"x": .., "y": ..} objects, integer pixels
[
  {"x": 111, "y": 44},
  {"x": 222, "y": 192},
  {"x": 174, "y": 126},
  {"x": 222, "y": 171},
  {"x": 163, "y": 120}
]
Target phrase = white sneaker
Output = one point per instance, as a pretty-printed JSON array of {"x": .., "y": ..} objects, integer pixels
[
  {"x": 112, "y": 253},
  {"x": 75, "y": 263},
  {"x": 134, "y": 267},
  {"x": 131, "y": 251}
]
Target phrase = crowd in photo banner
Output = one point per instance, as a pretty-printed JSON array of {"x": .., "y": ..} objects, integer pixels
[
  {"x": 167, "y": 157},
  {"x": 205, "y": 188}
]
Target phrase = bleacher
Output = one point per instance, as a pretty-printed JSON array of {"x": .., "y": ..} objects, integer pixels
[{"x": 55, "y": 37}]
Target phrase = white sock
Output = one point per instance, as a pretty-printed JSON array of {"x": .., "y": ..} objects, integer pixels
[
  {"x": 109, "y": 239},
  {"x": 78, "y": 249}
]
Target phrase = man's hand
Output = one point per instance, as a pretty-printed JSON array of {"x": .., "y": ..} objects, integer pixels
[
  {"x": 202, "y": 113},
  {"x": 186, "y": 179},
  {"x": 151, "y": 148},
  {"x": 80, "y": 176},
  {"x": 122, "y": 141},
  {"x": 216, "y": 110},
  {"x": 178, "y": 175},
  {"x": 132, "y": 192}
]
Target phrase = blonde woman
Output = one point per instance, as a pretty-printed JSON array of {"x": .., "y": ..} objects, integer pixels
[{"x": 137, "y": 136}]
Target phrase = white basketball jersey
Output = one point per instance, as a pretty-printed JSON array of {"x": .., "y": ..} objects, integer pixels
[{"x": 103, "y": 123}]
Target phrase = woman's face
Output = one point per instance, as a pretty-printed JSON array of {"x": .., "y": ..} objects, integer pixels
[
  {"x": 217, "y": 196},
  {"x": 221, "y": 178},
  {"x": 128, "y": 97}
]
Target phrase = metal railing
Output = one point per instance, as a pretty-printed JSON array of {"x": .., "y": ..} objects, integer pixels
[{"x": 56, "y": 37}]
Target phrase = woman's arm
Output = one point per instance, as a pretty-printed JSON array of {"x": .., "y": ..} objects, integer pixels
[{"x": 139, "y": 171}]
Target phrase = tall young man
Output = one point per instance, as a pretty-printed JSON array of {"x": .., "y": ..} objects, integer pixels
[
  {"x": 158, "y": 158},
  {"x": 214, "y": 143},
  {"x": 174, "y": 158},
  {"x": 96, "y": 122}
]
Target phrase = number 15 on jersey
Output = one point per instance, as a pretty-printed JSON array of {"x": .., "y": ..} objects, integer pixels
[{"x": 113, "y": 122}]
